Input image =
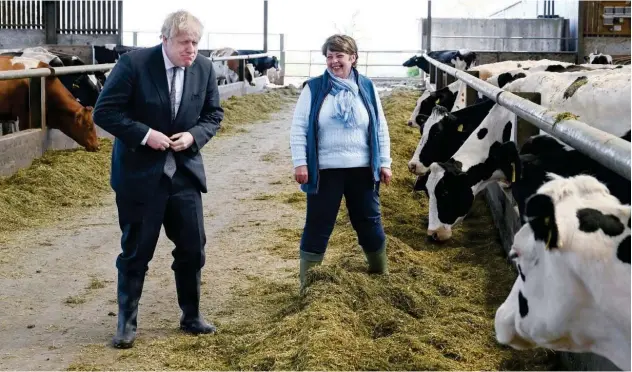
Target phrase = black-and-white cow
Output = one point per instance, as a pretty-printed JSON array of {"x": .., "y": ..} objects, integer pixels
[
  {"x": 461, "y": 59},
  {"x": 261, "y": 64},
  {"x": 573, "y": 289},
  {"x": 601, "y": 98},
  {"x": 543, "y": 154},
  {"x": 444, "y": 132},
  {"x": 598, "y": 59}
]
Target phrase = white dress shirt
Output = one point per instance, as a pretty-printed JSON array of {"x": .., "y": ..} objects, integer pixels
[{"x": 179, "y": 85}]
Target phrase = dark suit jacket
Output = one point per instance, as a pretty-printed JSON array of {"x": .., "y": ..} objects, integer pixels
[{"x": 135, "y": 97}]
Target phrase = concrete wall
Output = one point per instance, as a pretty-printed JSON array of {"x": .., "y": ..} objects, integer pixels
[
  {"x": 32, "y": 38},
  {"x": 615, "y": 46},
  {"x": 21, "y": 38},
  {"x": 491, "y": 57},
  {"x": 444, "y": 28}
]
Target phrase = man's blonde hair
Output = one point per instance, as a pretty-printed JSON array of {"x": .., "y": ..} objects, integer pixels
[{"x": 182, "y": 22}]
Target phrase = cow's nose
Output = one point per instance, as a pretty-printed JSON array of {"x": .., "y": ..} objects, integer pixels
[
  {"x": 410, "y": 123},
  {"x": 435, "y": 237}
]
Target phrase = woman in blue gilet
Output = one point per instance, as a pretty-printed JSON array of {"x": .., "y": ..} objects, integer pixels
[{"x": 340, "y": 146}]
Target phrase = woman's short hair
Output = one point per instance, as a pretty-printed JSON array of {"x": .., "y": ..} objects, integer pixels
[
  {"x": 341, "y": 43},
  {"x": 184, "y": 22}
]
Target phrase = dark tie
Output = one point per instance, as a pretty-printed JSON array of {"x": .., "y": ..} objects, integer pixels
[{"x": 170, "y": 164}]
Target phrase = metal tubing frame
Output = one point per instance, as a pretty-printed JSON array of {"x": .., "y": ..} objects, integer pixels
[{"x": 605, "y": 148}]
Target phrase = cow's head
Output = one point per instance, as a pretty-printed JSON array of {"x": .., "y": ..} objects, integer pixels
[
  {"x": 78, "y": 125},
  {"x": 418, "y": 61},
  {"x": 451, "y": 189},
  {"x": 444, "y": 133},
  {"x": 443, "y": 97},
  {"x": 573, "y": 258}
]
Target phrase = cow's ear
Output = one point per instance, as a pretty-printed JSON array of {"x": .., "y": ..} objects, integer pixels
[{"x": 540, "y": 214}]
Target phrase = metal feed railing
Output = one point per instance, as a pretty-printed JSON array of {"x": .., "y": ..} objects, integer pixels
[
  {"x": 363, "y": 63},
  {"x": 607, "y": 149}
]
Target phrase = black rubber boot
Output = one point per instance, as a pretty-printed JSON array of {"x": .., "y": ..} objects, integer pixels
[
  {"x": 188, "y": 287},
  {"x": 129, "y": 289}
]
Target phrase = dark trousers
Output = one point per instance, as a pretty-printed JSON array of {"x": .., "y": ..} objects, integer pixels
[
  {"x": 177, "y": 204},
  {"x": 362, "y": 199}
]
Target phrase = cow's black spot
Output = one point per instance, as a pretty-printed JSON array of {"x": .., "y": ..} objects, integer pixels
[
  {"x": 591, "y": 220},
  {"x": 623, "y": 251},
  {"x": 582, "y": 80},
  {"x": 540, "y": 212},
  {"x": 506, "y": 78},
  {"x": 619, "y": 67},
  {"x": 523, "y": 305},
  {"x": 521, "y": 273},
  {"x": 525, "y": 68},
  {"x": 626, "y": 136},
  {"x": 507, "y": 132},
  {"x": 554, "y": 68},
  {"x": 482, "y": 133},
  {"x": 569, "y": 68},
  {"x": 601, "y": 60},
  {"x": 630, "y": 219}
]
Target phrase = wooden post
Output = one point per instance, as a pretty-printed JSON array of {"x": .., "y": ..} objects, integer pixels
[
  {"x": 449, "y": 79},
  {"x": 440, "y": 79},
  {"x": 265, "y": 26},
  {"x": 282, "y": 59},
  {"x": 524, "y": 129},
  {"x": 50, "y": 21},
  {"x": 242, "y": 70},
  {"x": 37, "y": 102},
  {"x": 581, "y": 23},
  {"x": 120, "y": 21},
  {"x": 433, "y": 74},
  {"x": 471, "y": 95}
]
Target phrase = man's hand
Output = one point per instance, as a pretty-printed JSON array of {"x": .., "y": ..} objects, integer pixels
[
  {"x": 300, "y": 174},
  {"x": 385, "y": 175},
  {"x": 181, "y": 141},
  {"x": 158, "y": 141}
]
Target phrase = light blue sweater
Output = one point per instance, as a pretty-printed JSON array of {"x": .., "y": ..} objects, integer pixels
[{"x": 338, "y": 146}]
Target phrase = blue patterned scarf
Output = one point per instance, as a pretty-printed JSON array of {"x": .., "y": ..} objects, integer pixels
[{"x": 344, "y": 91}]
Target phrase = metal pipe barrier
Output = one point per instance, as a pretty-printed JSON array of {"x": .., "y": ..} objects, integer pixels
[
  {"x": 244, "y": 56},
  {"x": 609, "y": 150},
  {"x": 54, "y": 71}
]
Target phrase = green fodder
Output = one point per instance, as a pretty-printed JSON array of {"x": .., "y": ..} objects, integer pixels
[
  {"x": 53, "y": 185},
  {"x": 434, "y": 311}
]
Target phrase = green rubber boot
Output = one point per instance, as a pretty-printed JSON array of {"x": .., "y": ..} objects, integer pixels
[
  {"x": 377, "y": 261},
  {"x": 308, "y": 260}
]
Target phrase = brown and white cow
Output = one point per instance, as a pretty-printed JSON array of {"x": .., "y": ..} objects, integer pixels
[{"x": 63, "y": 112}]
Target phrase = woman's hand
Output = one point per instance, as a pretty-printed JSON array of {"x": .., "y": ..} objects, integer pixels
[
  {"x": 300, "y": 174},
  {"x": 385, "y": 175}
]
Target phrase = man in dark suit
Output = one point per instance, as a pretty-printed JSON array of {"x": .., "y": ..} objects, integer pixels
[{"x": 162, "y": 105}]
